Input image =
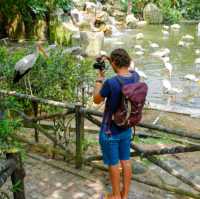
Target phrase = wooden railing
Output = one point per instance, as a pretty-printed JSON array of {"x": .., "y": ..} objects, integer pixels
[{"x": 188, "y": 141}]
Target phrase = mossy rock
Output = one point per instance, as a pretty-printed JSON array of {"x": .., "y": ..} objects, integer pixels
[{"x": 152, "y": 14}]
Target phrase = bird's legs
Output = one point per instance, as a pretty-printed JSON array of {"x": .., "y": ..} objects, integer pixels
[{"x": 29, "y": 84}]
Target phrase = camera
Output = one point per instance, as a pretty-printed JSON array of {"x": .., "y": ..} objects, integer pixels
[{"x": 100, "y": 63}]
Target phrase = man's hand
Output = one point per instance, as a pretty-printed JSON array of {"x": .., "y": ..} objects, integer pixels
[{"x": 97, "y": 98}]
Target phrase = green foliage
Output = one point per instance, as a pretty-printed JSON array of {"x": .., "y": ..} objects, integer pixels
[
  {"x": 190, "y": 9},
  {"x": 170, "y": 13},
  {"x": 172, "y": 10},
  {"x": 60, "y": 77}
]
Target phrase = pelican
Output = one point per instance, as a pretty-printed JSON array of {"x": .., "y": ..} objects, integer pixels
[
  {"x": 165, "y": 33},
  {"x": 25, "y": 64},
  {"x": 139, "y": 36},
  {"x": 191, "y": 77},
  {"x": 141, "y": 73},
  {"x": 175, "y": 27},
  {"x": 166, "y": 27},
  {"x": 169, "y": 67},
  {"x": 169, "y": 89}
]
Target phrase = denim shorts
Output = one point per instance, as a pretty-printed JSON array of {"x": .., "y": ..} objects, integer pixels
[{"x": 115, "y": 147}]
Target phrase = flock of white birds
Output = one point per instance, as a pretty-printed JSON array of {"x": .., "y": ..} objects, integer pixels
[{"x": 163, "y": 54}]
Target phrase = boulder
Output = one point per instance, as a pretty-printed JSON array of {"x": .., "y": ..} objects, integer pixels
[
  {"x": 152, "y": 14},
  {"x": 90, "y": 7},
  {"x": 16, "y": 28},
  {"x": 40, "y": 30},
  {"x": 102, "y": 17},
  {"x": 85, "y": 26},
  {"x": 106, "y": 29},
  {"x": 119, "y": 15},
  {"x": 91, "y": 42},
  {"x": 131, "y": 21}
]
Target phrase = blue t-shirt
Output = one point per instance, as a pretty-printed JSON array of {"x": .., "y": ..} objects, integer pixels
[{"x": 111, "y": 90}]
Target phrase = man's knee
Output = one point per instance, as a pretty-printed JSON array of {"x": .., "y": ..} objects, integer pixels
[{"x": 125, "y": 164}]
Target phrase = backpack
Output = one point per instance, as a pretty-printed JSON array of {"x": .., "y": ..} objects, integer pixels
[{"x": 129, "y": 113}]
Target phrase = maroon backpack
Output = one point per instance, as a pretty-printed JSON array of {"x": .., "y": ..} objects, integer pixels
[{"x": 133, "y": 99}]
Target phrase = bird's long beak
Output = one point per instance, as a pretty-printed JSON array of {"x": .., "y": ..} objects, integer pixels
[{"x": 41, "y": 49}]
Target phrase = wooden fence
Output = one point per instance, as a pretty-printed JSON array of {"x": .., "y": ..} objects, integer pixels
[{"x": 188, "y": 141}]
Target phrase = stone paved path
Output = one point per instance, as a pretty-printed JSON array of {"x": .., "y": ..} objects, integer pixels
[
  {"x": 52, "y": 179},
  {"x": 49, "y": 182}
]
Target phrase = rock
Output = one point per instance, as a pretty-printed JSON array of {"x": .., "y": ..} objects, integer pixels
[
  {"x": 90, "y": 7},
  {"x": 152, "y": 14},
  {"x": 131, "y": 21},
  {"x": 138, "y": 167},
  {"x": 85, "y": 26},
  {"x": 102, "y": 17},
  {"x": 106, "y": 29},
  {"x": 40, "y": 30},
  {"x": 92, "y": 42},
  {"x": 119, "y": 15},
  {"x": 16, "y": 28}
]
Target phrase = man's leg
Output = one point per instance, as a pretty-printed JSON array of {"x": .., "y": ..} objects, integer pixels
[
  {"x": 114, "y": 173},
  {"x": 127, "y": 174}
]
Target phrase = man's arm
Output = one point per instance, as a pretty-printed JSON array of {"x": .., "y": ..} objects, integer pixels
[{"x": 97, "y": 98}]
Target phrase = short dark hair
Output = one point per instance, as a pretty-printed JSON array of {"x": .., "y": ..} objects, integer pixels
[{"x": 120, "y": 57}]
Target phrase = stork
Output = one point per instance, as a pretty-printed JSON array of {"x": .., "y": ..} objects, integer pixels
[{"x": 25, "y": 64}]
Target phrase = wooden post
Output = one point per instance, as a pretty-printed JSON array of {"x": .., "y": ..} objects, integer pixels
[
  {"x": 79, "y": 115},
  {"x": 18, "y": 175},
  {"x": 35, "y": 110}
]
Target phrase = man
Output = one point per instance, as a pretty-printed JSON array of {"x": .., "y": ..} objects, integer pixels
[{"x": 115, "y": 141}]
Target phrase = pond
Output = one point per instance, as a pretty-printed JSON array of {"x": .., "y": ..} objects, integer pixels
[{"x": 181, "y": 58}]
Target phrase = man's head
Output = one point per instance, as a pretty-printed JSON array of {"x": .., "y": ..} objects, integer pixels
[{"x": 119, "y": 58}]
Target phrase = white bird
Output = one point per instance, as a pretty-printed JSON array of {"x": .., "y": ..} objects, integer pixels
[
  {"x": 138, "y": 47},
  {"x": 132, "y": 66},
  {"x": 197, "y": 60},
  {"x": 169, "y": 67},
  {"x": 25, "y": 64},
  {"x": 198, "y": 30},
  {"x": 175, "y": 27},
  {"x": 181, "y": 43},
  {"x": 139, "y": 36},
  {"x": 191, "y": 77},
  {"x": 197, "y": 51},
  {"x": 154, "y": 45},
  {"x": 169, "y": 89},
  {"x": 161, "y": 53},
  {"x": 165, "y": 59},
  {"x": 165, "y": 33},
  {"x": 141, "y": 73},
  {"x": 139, "y": 53},
  {"x": 188, "y": 37},
  {"x": 166, "y": 27}
]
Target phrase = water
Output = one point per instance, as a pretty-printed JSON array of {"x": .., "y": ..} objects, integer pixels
[{"x": 182, "y": 59}]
